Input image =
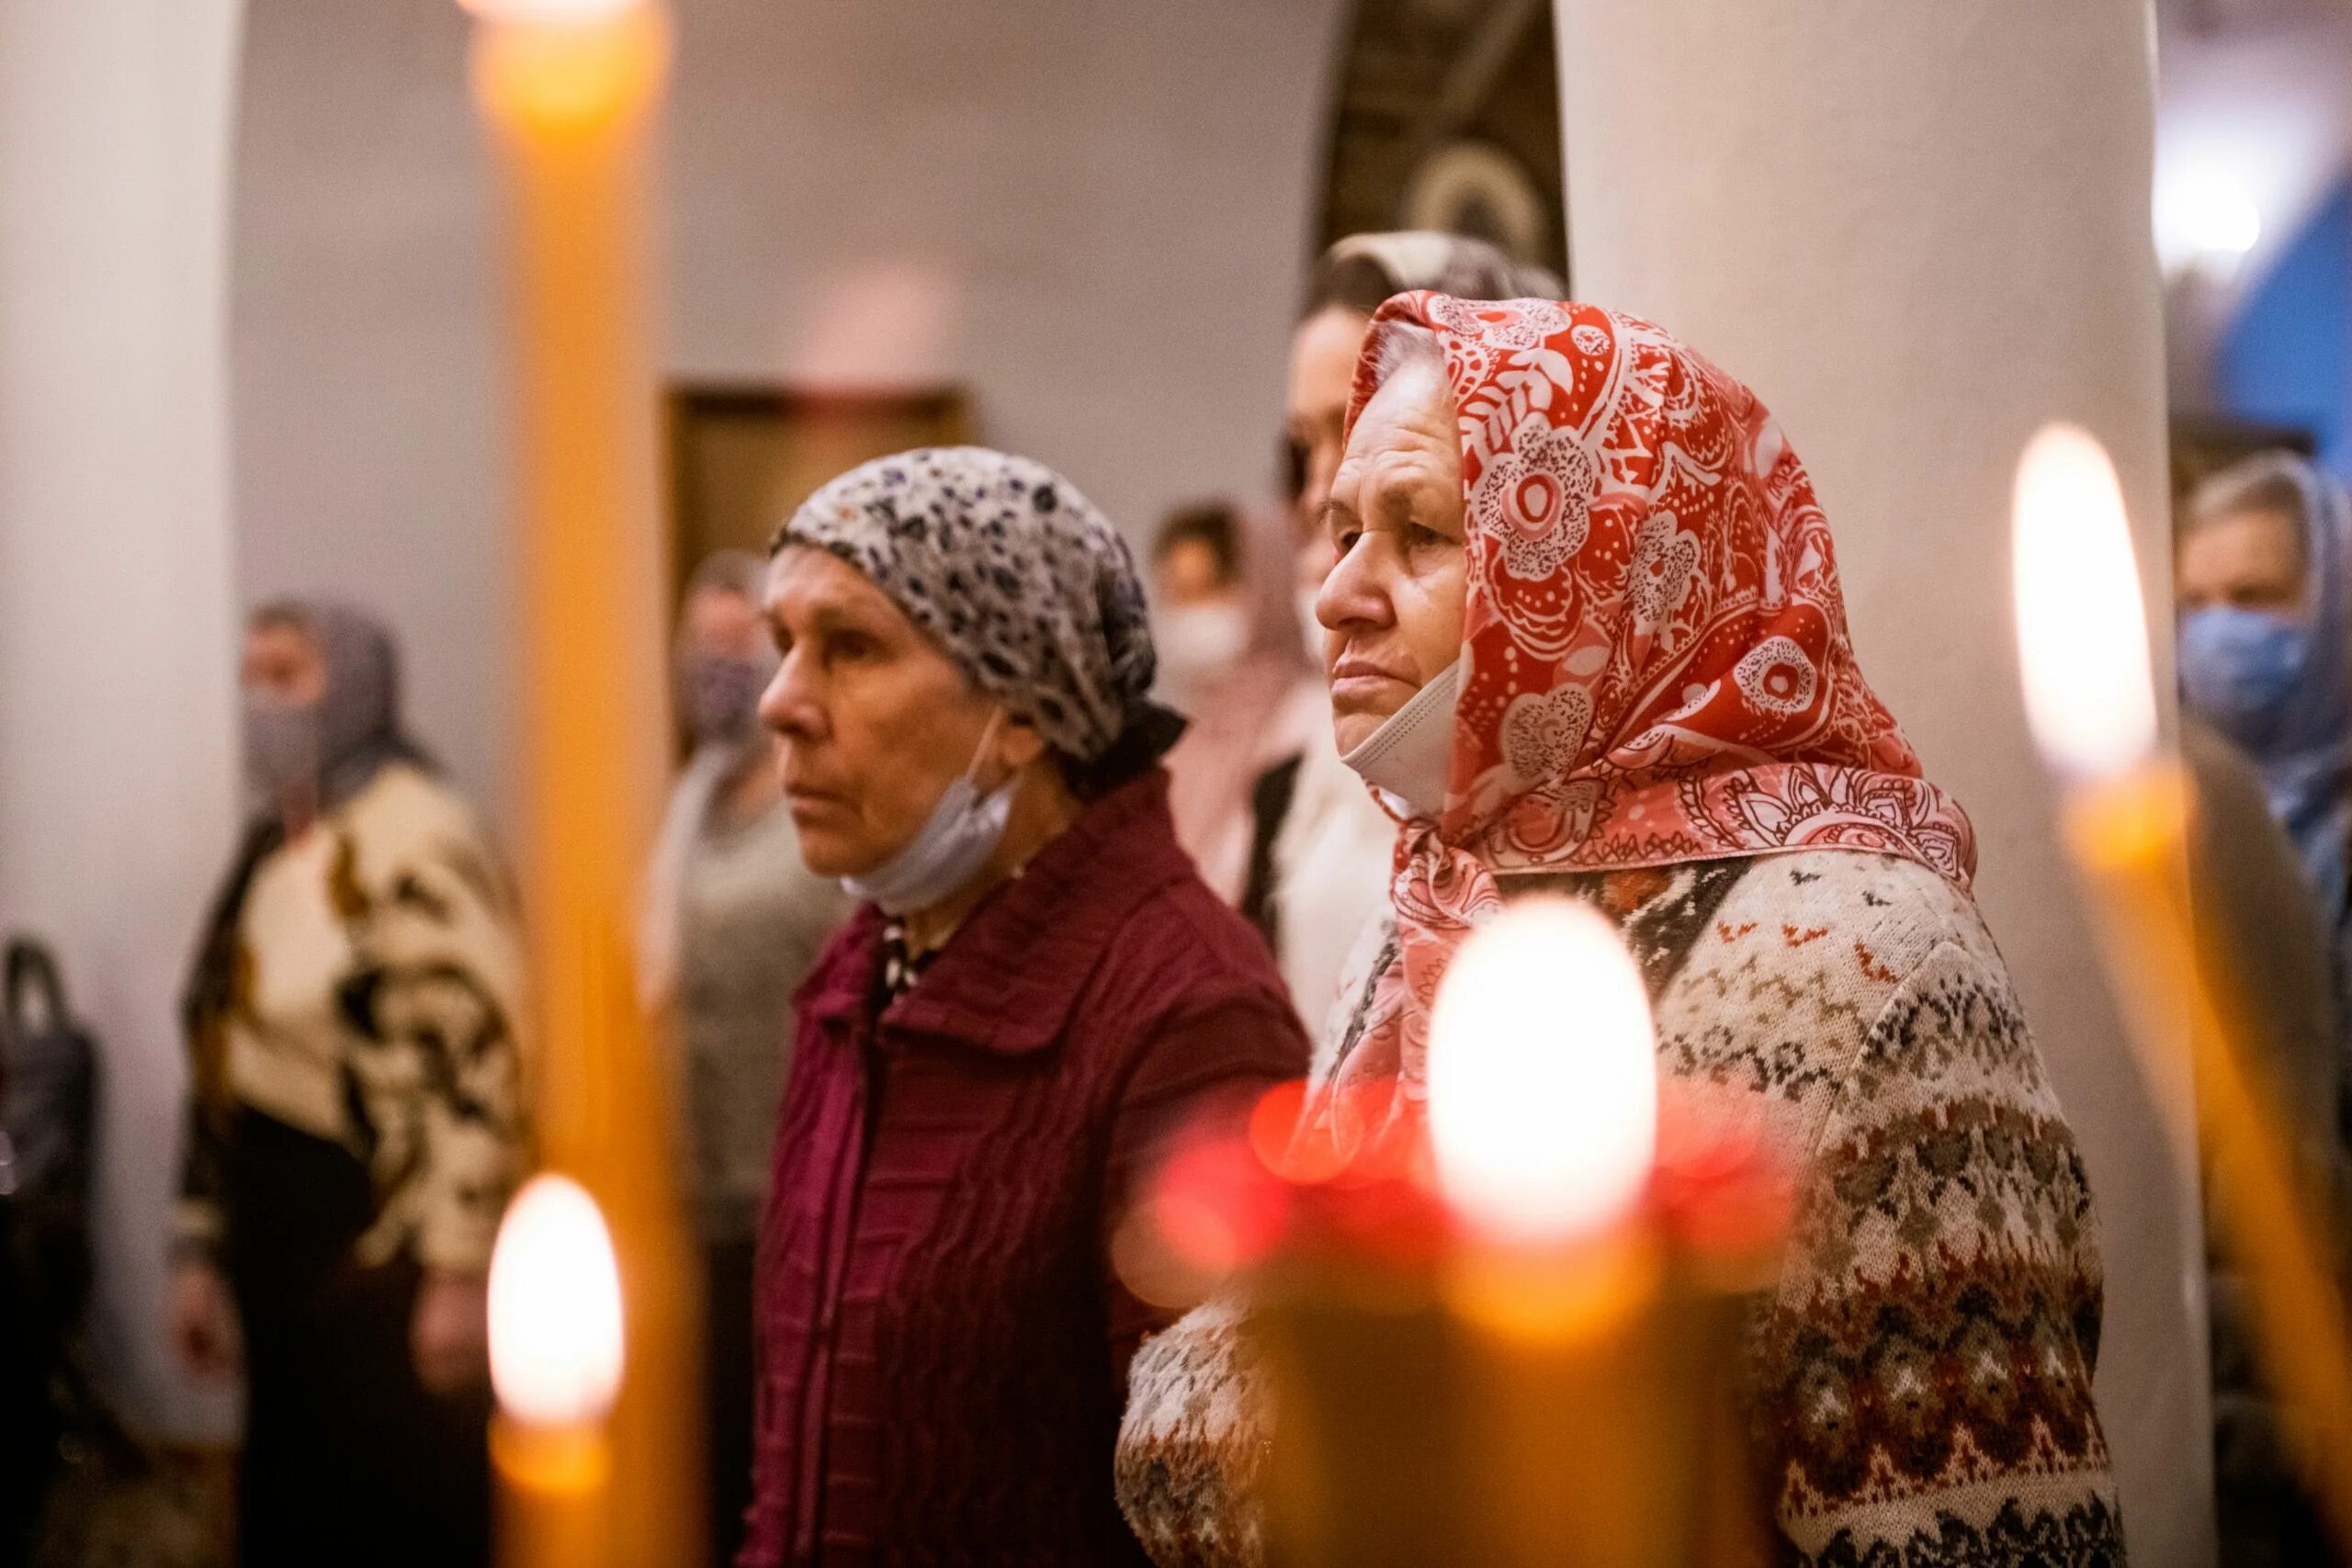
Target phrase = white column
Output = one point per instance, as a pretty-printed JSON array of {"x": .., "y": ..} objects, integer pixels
[
  {"x": 1920, "y": 230},
  {"x": 117, "y": 619}
]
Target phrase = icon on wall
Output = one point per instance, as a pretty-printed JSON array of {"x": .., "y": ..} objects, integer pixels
[{"x": 1477, "y": 189}]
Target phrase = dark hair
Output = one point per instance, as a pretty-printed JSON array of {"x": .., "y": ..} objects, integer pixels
[
  {"x": 1212, "y": 523},
  {"x": 1352, "y": 281},
  {"x": 1151, "y": 731}
]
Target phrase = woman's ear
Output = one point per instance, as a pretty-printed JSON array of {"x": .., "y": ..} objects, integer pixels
[{"x": 1019, "y": 743}]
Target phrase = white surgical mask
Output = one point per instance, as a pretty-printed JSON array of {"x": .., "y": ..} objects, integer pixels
[
  {"x": 948, "y": 850},
  {"x": 1408, "y": 756},
  {"x": 1196, "y": 644}
]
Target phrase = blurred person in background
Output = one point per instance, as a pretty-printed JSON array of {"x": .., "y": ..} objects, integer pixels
[
  {"x": 2258, "y": 924},
  {"x": 1351, "y": 280},
  {"x": 357, "y": 1116},
  {"x": 733, "y": 922},
  {"x": 1036, "y": 992},
  {"x": 2266, "y": 733},
  {"x": 1319, "y": 863},
  {"x": 1231, "y": 661},
  {"x": 2265, "y": 655}
]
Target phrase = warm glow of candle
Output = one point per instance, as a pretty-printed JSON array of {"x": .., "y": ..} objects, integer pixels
[
  {"x": 2082, "y": 630},
  {"x": 551, "y": 13},
  {"x": 1543, "y": 1076},
  {"x": 556, "y": 1340}
]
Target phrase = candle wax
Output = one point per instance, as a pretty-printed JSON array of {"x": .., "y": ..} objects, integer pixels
[{"x": 2130, "y": 838}]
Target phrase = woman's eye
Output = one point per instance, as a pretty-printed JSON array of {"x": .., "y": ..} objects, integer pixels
[
  {"x": 852, "y": 645},
  {"x": 1420, "y": 537},
  {"x": 1347, "y": 538}
]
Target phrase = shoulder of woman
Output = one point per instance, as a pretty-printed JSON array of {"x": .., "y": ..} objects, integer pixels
[
  {"x": 1805, "y": 961},
  {"x": 1853, "y": 923},
  {"x": 403, "y": 800},
  {"x": 1183, "y": 968},
  {"x": 407, "y": 817}
]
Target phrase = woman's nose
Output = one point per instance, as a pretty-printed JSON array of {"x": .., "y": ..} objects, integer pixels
[
  {"x": 788, "y": 708},
  {"x": 1351, "y": 594}
]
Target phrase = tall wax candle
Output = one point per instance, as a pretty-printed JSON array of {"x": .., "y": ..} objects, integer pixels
[
  {"x": 570, "y": 89},
  {"x": 2082, "y": 635}
]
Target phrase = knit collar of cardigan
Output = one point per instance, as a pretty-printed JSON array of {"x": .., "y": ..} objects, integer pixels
[{"x": 1008, "y": 978}]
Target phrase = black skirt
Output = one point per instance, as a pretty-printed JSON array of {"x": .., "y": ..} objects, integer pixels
[{"x": 348, "y": 1458}]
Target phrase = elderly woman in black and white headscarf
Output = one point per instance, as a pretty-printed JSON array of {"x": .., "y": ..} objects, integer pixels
[
  {"x": 1038, "y": 989},
  {"x": 358, "y": 1120}
]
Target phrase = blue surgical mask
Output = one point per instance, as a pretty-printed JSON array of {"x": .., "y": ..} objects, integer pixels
[
  {"x": 2239, "y": 668},
  {"x": 948, "y": 850}
]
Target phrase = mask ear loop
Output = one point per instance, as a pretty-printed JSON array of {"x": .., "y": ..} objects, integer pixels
[{"x": 980, "y": 751}]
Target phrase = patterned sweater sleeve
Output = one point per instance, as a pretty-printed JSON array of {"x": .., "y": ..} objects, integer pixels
[
  {"x": 436, "y": 1002},
  {"x": 1921, "y": 1377}
]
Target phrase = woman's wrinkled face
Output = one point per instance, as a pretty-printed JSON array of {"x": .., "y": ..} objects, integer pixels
[
  {"x": 875, "y": 721},
  {"x": 1322, "y": 378},
  {"x": 1391, "y": 608},
  {"x": 282, "y": 665},
  {"x": 2251, "y": 561}
]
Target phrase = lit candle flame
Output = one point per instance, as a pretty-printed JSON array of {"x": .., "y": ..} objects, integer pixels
[
  {"x": 1543, "y": 1076},
  {"x": 2082, "y": 630},
  {"x": 554, "y": 1307}
]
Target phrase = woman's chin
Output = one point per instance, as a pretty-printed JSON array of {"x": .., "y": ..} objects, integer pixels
[
  {"x": 828, "y": 846},
  {"x": 1355, "y": 723}
]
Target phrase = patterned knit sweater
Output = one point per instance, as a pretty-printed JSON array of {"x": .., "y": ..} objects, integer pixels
[{"x": 1918, "y": 1385}]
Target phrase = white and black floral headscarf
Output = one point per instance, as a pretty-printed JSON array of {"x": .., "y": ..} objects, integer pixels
[{"x": 1026, "y": 586}]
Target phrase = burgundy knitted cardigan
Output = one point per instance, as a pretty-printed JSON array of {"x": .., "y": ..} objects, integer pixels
[{"x": 945, "y": 1345}]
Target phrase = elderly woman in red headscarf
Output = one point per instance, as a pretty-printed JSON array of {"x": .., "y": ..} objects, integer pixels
[{"x": 1585, "y": 636}]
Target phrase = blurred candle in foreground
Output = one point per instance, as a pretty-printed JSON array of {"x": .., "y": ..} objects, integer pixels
[
  {"x": 569, "y": 90},
  {"x": 1589, "y": 1372},
  {"x": 555, "y": 1341},
  {"x": 2082, "y": 642},
  {"x": 556, "y": 1355},
  {"x": 1516, "y": 1344},
  {"x": 1543, "y": 1077},
  {"x": 2082, "y": 628}
]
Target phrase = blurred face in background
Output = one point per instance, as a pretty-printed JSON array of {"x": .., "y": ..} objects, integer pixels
[
  {"x": 282, "y": 666},
  {"x": 284, "y": 675},
  {"x": 1202, "y": 626},
  {"x": 1322, "y": 373},
  {"x": 1392, "y": 606},
  {"x": 1189, "y": 572},
  {"x": 2247, "y": 642},
  {"x": 876, "y": 720},
  {"x": 2251, "y": 561},
  {"x": 725, "y": 660}
]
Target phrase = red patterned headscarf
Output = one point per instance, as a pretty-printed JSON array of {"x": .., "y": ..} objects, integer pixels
[{"x": 1658, "y": 666}]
